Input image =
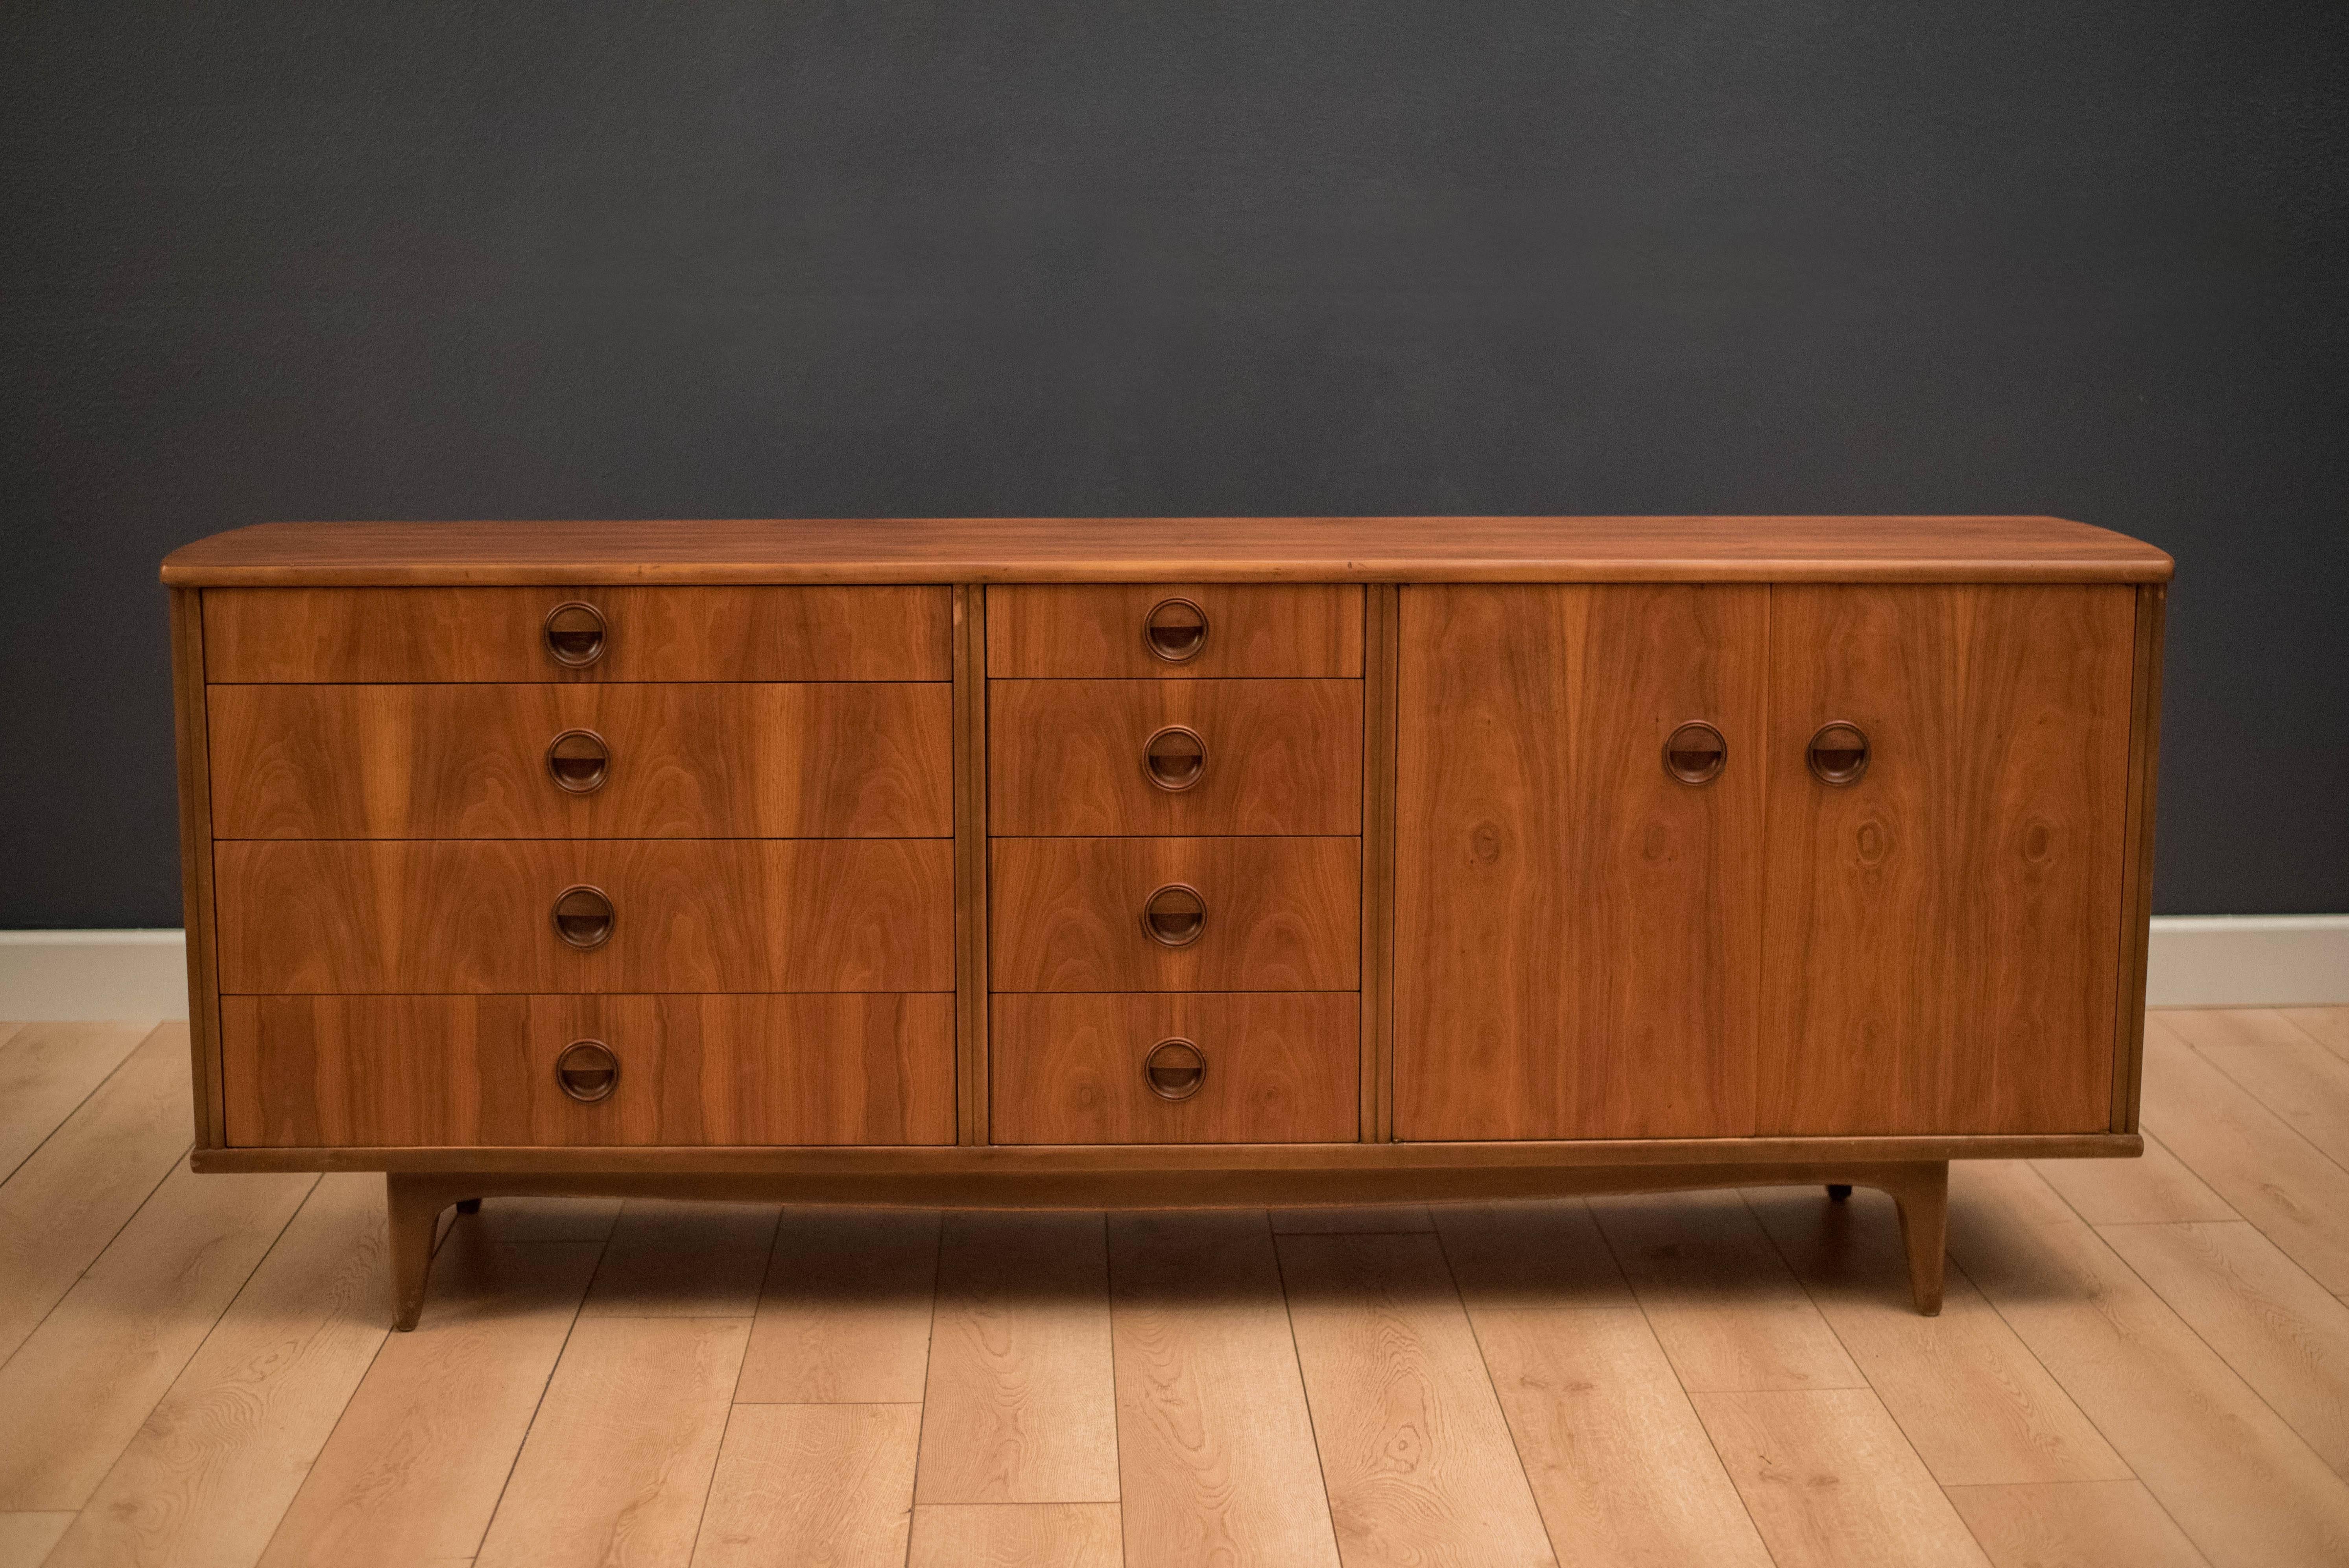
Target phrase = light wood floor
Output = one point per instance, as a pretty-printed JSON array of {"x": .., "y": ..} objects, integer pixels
[{"x": 2142, "y": 1362}]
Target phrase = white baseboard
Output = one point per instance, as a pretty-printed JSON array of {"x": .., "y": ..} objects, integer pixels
[
  {"x": 2196, "y": 961},
  {"x": 93, "y": 976}
]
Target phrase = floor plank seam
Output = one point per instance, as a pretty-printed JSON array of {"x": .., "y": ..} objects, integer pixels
[
  {"x": 72, "y": 1110},
  {"x": 766, "y": 1267},
  {"x": 1305, "y": 1387},
  {"x": 1485, "y": 1364},
  {"x": 929, "y": 1354},
  {"x": 553, "y": 1366}
]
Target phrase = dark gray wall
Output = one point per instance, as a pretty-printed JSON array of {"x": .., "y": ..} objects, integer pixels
[{"x": 548, "y": 258}]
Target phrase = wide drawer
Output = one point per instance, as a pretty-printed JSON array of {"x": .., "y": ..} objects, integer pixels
[
  {"x": 820, "y": 634},
  {"x": 1117, "y": 914},
  {"x": 461, "y": 1071},
  {"x": 1275, "y": 757},
  {"x": 707, "y": 759},
  {"x": 1175, "y": 1068},
  {"x": 1174, "y": 629},
  {"x": 684, "y": 914}
]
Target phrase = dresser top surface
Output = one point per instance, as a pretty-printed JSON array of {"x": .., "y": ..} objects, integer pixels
[{"x": 1195, "y": 549}]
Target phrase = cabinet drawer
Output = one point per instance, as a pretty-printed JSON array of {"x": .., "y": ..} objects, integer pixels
[
  {"x": 687, "y": 914},
  {"x": 1176, "y": 629},
  {"x": 1273, "y": 757},
  {"x": 877, "y": 634},
  {"x": 1176, "y": 1067},
  {"x": 468, "y": 1071},
  {"x": 713, "y": 760},
  {"x": 1277, "y": 914}
]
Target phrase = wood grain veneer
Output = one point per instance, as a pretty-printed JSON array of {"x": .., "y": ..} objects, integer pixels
[
  {"x": 694, "y": 1070},
  {"x": 701, "y": 760},
  {"x": 341, "y": 915},
  {"x": 1283, "y": 914},
  {"x": 687, "y": 633},
  {"x": 1180, "y": 549},
  {"x": 1094, "y": 630},
  {"x": 191, "y": 736},
  {"x": 1577, "y": 949},
  {"x": 1279, "y": 1068},
  {"x": 1283, "y": 756},
  {"x": 1942, "y": 939}
]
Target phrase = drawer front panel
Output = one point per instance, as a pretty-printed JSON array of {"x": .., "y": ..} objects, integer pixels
[
  {"x": 1270, "y": 1069},
  {"x": 469, "y": 1071},
  {"x": 1280, "y": 915},
  {"x": 711, "y": 759},
  {"x": 360, "y": 634},
  {"x": 1281, "y": 757},
  {"x": 688, "y": 914},
  {"x": 1107, "y": 629}
]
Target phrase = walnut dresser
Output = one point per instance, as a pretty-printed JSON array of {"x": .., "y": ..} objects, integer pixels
[{"x": 1159, "y": 862}]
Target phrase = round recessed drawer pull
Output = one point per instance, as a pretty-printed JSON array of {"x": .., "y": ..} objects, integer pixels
[
  {"x": 1175, "y": 916},
  {"x": 1174, "y": 1070},
  {"x": 1175, "y": 758},
  {"x": 1176, "y": 630},
  {"x": 1695, "y": 754},
  {"x": 579, "y": 760},
  {"x": 587, "y": 1071},
  {"x": 1839, "y": 753},
  {"x": 582, "y": 916},
  {"x": 576, "y": 634}
]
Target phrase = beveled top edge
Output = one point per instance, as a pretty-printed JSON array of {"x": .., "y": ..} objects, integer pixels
[{"x": 1211, "y": 549}]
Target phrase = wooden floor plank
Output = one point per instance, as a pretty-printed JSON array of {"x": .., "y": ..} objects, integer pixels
[
  {"x": 47, "y": 1069},
  {"x": 2074, "y": 1524},
  {"x": 844, "y": 1317},
  {"x": 811, "y": 1486},
  {"x": 210, "y": 1473},
  {"x": 2328, "y": 1026},
  {"x": 2224, "y": 1026},
  {"x": 2298, "y": 1080},
  {"x": 26, "y": 1538},
  {"x": 2154, "y": 1187},
  {"x": 1215, "y": 1455},
  {"x": 1021, "y": 1401},
  {"x": 414, "y": 1466},
  {"x": 1975, "y": 1404},
  {"x": 68, "y": 1197},
  {"x": 616, "y": 1467},
  {"x": 2244, "y": 1486},
  {"x": 2249, "y": 1156},
  {"x": 1619, "y": 1465},
  {"x": 1831, "y": 1481},
  {"x": 85, "y": 1381},
  {"x": 1356, "y": 1219},
  {"x": 1415, "y": 1452},
  {"x": 1727, "y": 1310},
  {"x": 1017, "y": 1535},
  {"x": 2014, "y": 1189},
  {"x": 668, "y": 1259},
  {"x": 2282, "y": 1333}
]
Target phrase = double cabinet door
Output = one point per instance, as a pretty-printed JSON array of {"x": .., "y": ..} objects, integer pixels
[{"x": 1727, "y": 859}]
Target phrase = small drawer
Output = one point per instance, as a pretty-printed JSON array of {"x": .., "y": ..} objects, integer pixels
[
  {"x": 699, "y": 761},
  {"x": 1173, "y": 630},
  {"x": 535, "y": 915},
  {"x": 1272, "y": 756},
  {"x": 323, "y": 1072},
  {"x": 1176, "y": 1069},
  {"x": 1177, "y": 915},
  {"x": 555, "y": 634}
]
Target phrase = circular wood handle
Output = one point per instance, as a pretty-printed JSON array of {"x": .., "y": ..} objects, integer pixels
[
  {"x": 1176, "y": 630},
  {"x": 579, "y": 760},
  {"x": 582, "y": 916},
  {"x": 588, "y": 1070},
  {"x": 1175, "y": 916},
  {"x": 1175, "y": 758},
  {"x": 1174, "y": 1070},
  {"x": 1695, "y": 754},
  {"x": 1839, "y": 753},
  {"x": 574, "y": 633}
]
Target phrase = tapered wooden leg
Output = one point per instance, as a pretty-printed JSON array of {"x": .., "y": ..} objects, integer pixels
[
  {"x": 1921, "y": 1196},
  {"x": 413, "y": 1205}
]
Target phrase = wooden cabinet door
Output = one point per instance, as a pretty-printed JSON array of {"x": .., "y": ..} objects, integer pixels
[
  {"x": 1943, "y": 934},
  {"x": 1577, "y": 931}
]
